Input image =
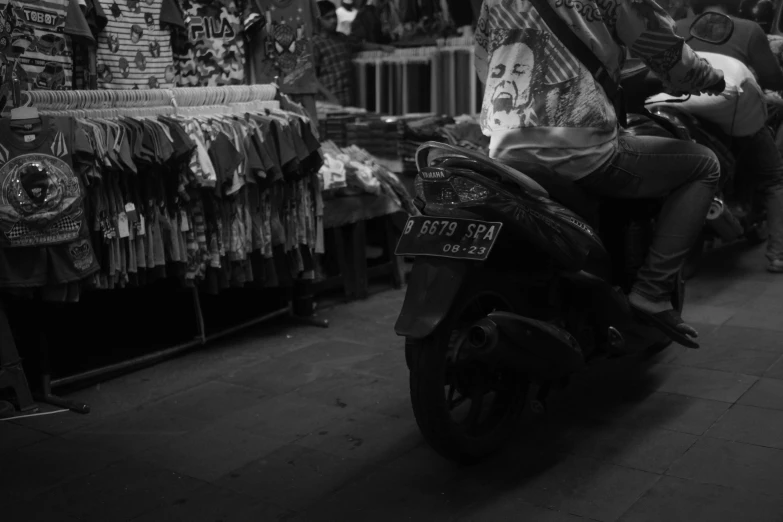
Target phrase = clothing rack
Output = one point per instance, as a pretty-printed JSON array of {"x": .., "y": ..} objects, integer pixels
[
  {"x": 442, "y": 62},
  {"x": 144, "y": 103}
]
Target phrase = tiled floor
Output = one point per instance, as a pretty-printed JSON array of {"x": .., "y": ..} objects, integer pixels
[{"x": 301, "y": 424}]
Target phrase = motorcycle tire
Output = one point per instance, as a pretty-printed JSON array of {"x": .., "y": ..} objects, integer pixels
[{"x": 430, "y": 370}]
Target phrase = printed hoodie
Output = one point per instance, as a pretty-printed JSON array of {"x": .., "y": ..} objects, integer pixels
[{"x": 541, "y": 105}]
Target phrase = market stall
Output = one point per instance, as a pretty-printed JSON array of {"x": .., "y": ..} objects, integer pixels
[{"x": 171, "y": 185}]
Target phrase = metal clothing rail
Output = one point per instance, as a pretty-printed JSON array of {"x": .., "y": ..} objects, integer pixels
[{"x": 178, "y": 97}]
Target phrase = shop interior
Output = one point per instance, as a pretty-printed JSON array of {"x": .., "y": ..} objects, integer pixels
[{"x": 170, "y": 175}]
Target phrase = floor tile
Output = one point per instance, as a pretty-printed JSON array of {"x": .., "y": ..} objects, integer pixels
[
  {"x": 511, "y": 508},
  {"x": 751, "y": 338},
  {"x": 676, "y": 500},
  {"x": 760, "y": 426},
  {"x": 705, "y": 384},
  {"x": 733, "y": 465},
  {"x": 763, "y": 312},
  {"x": 646, "y": 449},
  {"x": 766, "y": 393},
  {"x": 120, "y": 491},
  {"x": 706, "y": 314},
  {"x": 365, "y": 392},
  {"x": 728, "y": 358},
  {"x": 29, "y": 471},
  {"x": 292, "y": 477},
  {"x": 210, "y": 503},
  {"x": 732, "y": 293},
  {"x": 394, "y": 492},
  {"x": 35, "y": 511},
  {"x": 132, "y": 432},
  {"x": 318, "y": 361},
  {"x": 776, "y": 370},
  {"x": 14, "y": 436},
  {"x": 211, "y": 453},
  {"x": 587, "y": 487},
  {"x": 367, "y": 437},
  {"x": 210, "y": 401},
  {"x": 287, "y": 417}
]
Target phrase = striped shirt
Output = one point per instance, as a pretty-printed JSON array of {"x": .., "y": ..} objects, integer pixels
[
  {"x": 134, "y": 49},
  {"x": 41, "y": 37}
]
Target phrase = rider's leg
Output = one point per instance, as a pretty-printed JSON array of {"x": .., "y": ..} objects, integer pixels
[
  {"x": 760, "y": 158},
  {"x": 650, "y": 167}
]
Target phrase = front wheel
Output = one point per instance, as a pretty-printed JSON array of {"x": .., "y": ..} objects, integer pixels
[{"x": 465, "y": 410}]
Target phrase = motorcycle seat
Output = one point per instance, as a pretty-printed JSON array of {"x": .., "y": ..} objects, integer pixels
[{"x": 532, "y": 177}]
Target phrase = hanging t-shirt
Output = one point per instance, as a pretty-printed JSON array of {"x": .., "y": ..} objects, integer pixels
[
  {"x": 344, "y": 19},
  {"x": 282, "y": 40},
  {"x": 211, "y": 49},
  {"x": 44, "y": 235},
  {"x": 134, "y": 49},
  {"x": 38, "y": 34}
]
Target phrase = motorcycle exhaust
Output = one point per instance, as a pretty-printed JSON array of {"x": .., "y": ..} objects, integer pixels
[
  {"x": 525, "y": 345},
  {"x": 723, "y": 222}
]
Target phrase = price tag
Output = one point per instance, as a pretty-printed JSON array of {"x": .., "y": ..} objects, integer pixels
[
  {"x": 185, "y": 226},
  {"x": 142, "y": 226},
  {"x": 133, "y": 216},
  {"x": 122, "y": 225}
]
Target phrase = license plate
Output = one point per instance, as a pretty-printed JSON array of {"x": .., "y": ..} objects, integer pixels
[{"x": 448, "y": 237}]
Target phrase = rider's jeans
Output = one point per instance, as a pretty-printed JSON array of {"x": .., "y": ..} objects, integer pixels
[
  {"x": 760, "y": 163},
  {"x": 651, "y": 167}
]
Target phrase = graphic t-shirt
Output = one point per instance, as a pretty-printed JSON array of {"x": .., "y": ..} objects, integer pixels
[
  {"x": 211, "y": 49},
  {"x": 282, "y": 38},
  {"x": 134, "y": 49},
  {"x": 38, "y": 34},
  {"x": 44, "y": 236}
]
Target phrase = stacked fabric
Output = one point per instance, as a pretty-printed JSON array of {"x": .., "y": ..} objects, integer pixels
[
  {"x": 351, "y": 171},
  {"x": 463, "y": 131}
]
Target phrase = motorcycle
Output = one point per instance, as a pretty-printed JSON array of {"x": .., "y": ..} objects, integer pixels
[
  {"x": 519, "y": 281},
  {"x": 736, "y": 213}
]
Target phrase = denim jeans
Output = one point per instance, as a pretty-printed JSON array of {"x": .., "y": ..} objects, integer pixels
[
  {"x": 686, "y": 174},
  {"x": 761, "y": 165}
]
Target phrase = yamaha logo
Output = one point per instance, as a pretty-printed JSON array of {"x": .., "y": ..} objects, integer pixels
[{"x": 434, "y": 174}]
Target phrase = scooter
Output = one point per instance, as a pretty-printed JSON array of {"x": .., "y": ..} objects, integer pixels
[
  {"x": 519, "y": 280},
  {"x": 735, "y": 214}
]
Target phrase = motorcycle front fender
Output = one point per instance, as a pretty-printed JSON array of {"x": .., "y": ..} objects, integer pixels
[{"x": 433, "y": 285}]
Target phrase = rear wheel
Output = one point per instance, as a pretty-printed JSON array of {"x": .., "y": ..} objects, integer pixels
[{"x": 465, "y": 410}]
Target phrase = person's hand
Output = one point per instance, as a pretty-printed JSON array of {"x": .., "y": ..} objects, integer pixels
[{"x": 716, "y": 88}]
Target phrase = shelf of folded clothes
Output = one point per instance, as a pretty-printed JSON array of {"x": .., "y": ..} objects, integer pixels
[{"x": 365, "y": 206}]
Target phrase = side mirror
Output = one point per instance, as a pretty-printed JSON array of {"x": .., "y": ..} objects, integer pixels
[{"x": 712, "y": 28}]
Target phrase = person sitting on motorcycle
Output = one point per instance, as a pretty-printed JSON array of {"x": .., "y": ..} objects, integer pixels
[
  {"x": 757, "y": 153},
  {"x": 541, "y": 105}
]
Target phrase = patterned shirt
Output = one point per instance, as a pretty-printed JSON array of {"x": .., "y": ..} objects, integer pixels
[
  {"x": 39, "y": 34},
  {"x": 134, "y": 49},
  {"x": 333, "y": 55},
  {"x": 541, "y": 105},
  {"x": 211, "y": 51}
]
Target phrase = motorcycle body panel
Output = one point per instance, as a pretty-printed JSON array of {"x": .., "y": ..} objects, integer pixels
[{"x": 436, "y": 281}]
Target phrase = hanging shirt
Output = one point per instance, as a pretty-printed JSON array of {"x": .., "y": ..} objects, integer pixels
[
  {"x": 44, "y": 235},
  {"x": 40, "y": 37},
  {"x": 134, "y": 48},
  {"x": 281, "y": 36},
  {"x": 211, "y": 49},
  {"x": 344, "y": 19}
]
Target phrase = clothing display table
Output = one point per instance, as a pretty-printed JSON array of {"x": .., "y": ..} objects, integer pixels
[{"x": 345, "y": 224}]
